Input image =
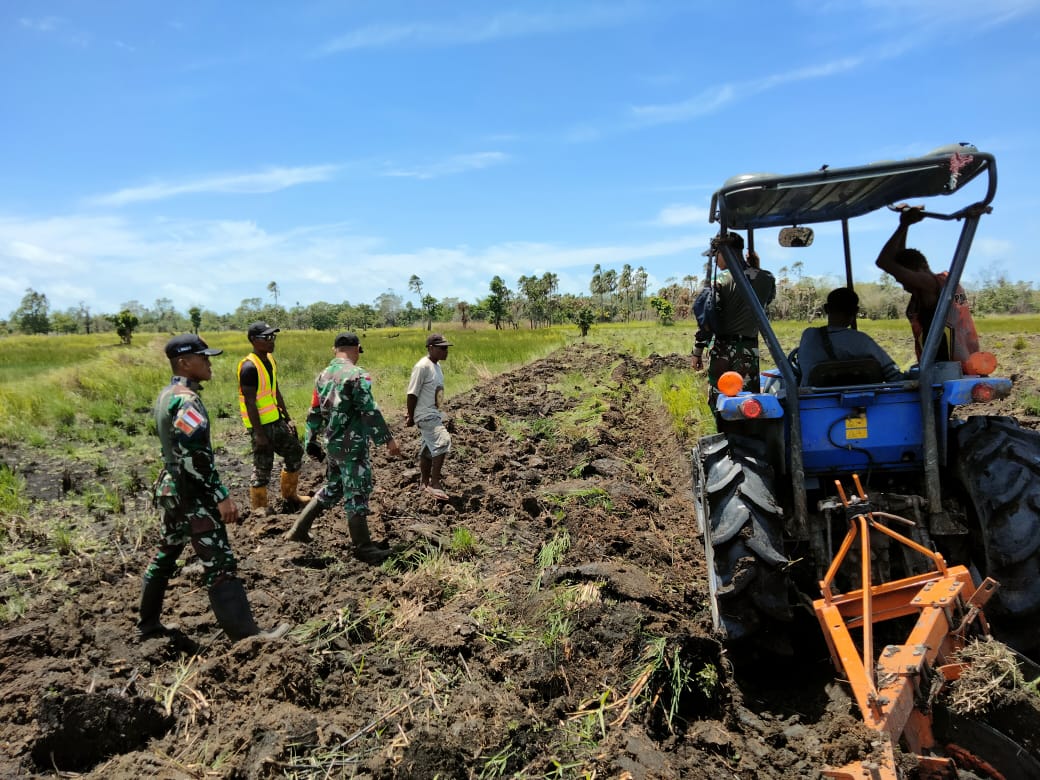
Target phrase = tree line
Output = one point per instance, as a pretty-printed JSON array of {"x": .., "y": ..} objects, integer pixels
[
  {"x": 800, "y": 297},
  {"x": 534, "y": 302}
]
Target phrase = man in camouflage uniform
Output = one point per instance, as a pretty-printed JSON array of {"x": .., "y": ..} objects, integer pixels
[
  {"x": 344, "y": 415},
  {"x": 196, "y": 506},
  {"x": 734, "y": 347}
]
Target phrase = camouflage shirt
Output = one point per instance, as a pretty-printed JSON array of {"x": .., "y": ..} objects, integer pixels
[
  {"x": 343, "y": 414},
  {"x": 182, "y": 423}
]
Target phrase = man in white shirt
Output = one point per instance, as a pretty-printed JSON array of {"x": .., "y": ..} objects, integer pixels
[
  {"x": 425, "y": 398},
  {"x": 838, "y": 341}
]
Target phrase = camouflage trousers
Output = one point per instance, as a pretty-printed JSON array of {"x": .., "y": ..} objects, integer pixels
[
  {"x": 350, "y": 481},
  {"x": 283, "y": 441},
  {"x": 733, "y": 353},
  {"x": 199, "y": 524}
]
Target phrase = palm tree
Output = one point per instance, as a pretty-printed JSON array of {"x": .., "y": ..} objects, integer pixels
[
  {"x": 596, "y": 284},
  {"x": 415, "y": 285},
  {"x": 552, "y": 286}
]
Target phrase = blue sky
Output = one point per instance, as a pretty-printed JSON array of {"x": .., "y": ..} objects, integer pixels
[{"x": 199, "y": 150}]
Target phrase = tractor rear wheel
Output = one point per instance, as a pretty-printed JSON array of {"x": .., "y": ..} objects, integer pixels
[
  {"x": 997, "y": 462},
  {"x": 742, "y": 525}
]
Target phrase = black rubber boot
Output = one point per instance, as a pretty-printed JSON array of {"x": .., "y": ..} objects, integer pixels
[
  {"x": 300, "y": 530},
  {"x": 231, "y": 607},
  {"x": 152, "y": 593},
  {"x": 234, "y": 615},
  {"x": 364, "y": 549}
]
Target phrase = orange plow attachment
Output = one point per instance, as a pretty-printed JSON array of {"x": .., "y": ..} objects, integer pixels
[{"x": 895, "y": 689}]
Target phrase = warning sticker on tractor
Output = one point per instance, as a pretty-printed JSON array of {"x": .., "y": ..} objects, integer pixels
[{"x": 855, "y": 428}]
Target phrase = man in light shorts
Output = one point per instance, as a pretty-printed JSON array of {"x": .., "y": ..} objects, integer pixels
[{"x": 425, "y": 399}]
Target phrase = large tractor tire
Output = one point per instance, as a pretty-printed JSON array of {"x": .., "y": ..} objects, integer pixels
[
  {"x": 997, "y": 462},
  {"x": 742, "y": 525}
]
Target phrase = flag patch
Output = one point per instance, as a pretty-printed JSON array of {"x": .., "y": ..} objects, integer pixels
[{"x": 188, "y": 420}]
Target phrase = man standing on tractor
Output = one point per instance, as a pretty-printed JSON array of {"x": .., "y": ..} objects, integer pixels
[
  {"x": 733, "y": 339},
  {"x": 910, "y": 268},
  {"x": 267, "y": 419}
]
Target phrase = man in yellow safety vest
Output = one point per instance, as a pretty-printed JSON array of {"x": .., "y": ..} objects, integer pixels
[{"x": 266, "y": 418}]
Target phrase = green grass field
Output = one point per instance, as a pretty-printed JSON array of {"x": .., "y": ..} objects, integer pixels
[{"x": 87, "y": 391}]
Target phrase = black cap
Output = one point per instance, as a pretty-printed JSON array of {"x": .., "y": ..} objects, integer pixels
[
  {"x": 842, "y": 300},
  {"x": 735, "y": 238},
  {"x": 437, "y": 340},
  {"x": 260, "y": 329},
  {"x": 348, "y": 339},
  {"x": 189, "y": 343}
]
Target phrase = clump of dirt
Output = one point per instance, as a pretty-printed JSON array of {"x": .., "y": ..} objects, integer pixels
[
  {"x": 78, "y": 730},
  {"x": 549, "y": 619}
]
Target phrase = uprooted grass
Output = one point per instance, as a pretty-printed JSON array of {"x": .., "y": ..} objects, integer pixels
[
  {"x": 659, "y": 683},
  {"x": 990, "y": 680}
]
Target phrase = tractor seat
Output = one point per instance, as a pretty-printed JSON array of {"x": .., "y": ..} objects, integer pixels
[{"x": 839, "y": 373}]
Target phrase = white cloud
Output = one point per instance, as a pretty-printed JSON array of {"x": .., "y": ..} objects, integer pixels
[
  {"x": 949, "y": 13},
  {"x": 41, "y": 24},
  {"x": 583, "y": 133},
  {"x": 715, "y": 98},
  {"x": 803, "y": 74},
  {"x": 475, "y": 31},
  {"x": 451, "y": 165},
  {"x": 992, "y": 249},
  {"x": 107, "y": 261},
  {"x": 262, "y": 182},
  {"x": 681, "y": 214},
  {"x": 707, "y": 102}
]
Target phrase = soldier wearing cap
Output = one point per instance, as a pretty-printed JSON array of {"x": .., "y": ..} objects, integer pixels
[
  {"x": 344, "y": 417},
  {"x": 734, "y": 346},
  {"x": 425, "y": 401},
  {"x": 196, "y": 505},
  {"x": 267, "y": 419}
]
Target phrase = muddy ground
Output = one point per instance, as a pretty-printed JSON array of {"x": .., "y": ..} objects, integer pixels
[{"x": 469, "y": 657}]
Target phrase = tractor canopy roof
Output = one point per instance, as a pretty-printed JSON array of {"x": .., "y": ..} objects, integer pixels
[{"x": 762, "y": 200}]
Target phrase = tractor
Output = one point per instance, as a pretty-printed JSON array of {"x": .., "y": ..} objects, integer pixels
[{"x": 873, "y": 506}]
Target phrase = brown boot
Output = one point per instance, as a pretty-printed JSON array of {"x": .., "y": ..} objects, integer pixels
[
  {"x": 258, "y": 501},
  {"x": 290, "y": 484}
]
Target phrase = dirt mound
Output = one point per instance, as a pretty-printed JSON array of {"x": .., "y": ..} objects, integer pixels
[{"x": 549, "y": 620}]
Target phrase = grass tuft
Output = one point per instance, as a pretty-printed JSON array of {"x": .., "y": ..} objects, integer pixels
[
  {"x": 552, "y": 552},
  {"x": 463, "y": 543},
  {"x": 13, "y": 501}
]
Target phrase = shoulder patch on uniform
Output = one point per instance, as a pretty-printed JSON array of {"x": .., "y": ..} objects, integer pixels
[{"x": 188, "y": 420}]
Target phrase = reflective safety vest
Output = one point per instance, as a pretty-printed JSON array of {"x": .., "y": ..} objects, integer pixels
[
  {"x": 266, "y": 392},
  {"x": 960, "y": 340}
]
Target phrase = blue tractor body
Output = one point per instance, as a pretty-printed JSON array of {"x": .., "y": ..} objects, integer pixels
[
  {"x": 861, "y": 428},
  {"x": 767, "y": 502}
]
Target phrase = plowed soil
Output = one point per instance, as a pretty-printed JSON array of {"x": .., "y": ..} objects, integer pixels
[{"x": 477, "y": 653}]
